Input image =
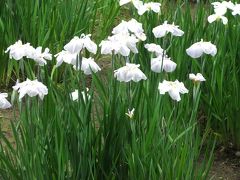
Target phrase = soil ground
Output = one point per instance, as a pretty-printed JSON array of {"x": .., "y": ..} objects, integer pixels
[{"x": 226, "y": 164}]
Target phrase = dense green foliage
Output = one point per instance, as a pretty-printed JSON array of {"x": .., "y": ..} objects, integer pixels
[{"x": 94, "y": 138}]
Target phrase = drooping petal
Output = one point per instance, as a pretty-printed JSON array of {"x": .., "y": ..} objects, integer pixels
[
  {"x": 224, "y": 20},
  {"x": 67, "y": 57},
  {"x": 106, "y": 47},
  {"x": 122, "y": 2},
  {"x": 236, "y": 10},
  {"x": 124, "y": 50},
  {"x": 212, "y": 18},
  {"x": 163, "y": 87},
  {"x": 74, "y": 46},
  {"x": 156, "y": 65},
  {"x": 88, "y": 66},
  {"x": 173, "y": 88},
  {"x": 195, "y": 51},
  {"x": 165, "y": 28},
  {"x": 159, "y": 31},
  {"x": 182, "y": 89},
  {"x": 168, "y": 65},
  {"x": 209, "y": 48},
  {"x": 4, "y": 103},
  {"x": 31, "y": 88},
  {"x": 89, "y": 44},
  {"x": 154, "y": 48},
  {"x": 130, "y": 72},
  {"x": 174, "y": 94},
  {"x": 155, "y": 7},
  {"x": 177, "y": 32},
  {"x": 142, "y": 9}
]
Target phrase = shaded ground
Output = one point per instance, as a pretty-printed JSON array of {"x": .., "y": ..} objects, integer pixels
[
  {"x": 226, "y": 165},
  {"x": 6, "y": 116}
]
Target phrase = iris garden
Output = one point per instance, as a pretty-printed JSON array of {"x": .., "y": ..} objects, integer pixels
[{"x": 140, "y": 118}]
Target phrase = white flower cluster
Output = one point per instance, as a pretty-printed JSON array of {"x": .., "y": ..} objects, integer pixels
[
  {"x": 72, "y": 52},
  {"x": 162, "y": 61},
  {"x": 69, "y": 55},
  {"x": 19, "y": 50},
  {"x": 143, "y": 7},
  {"x": 124, "y": 40},
  {"x": 122, "y": 43},
  {"x": 220, "y": 9},
  {"x": 131, "y": 26},
  {"x": 31, "y": 88},
  {"x": 197, "y": 50},
  {"x": 28, "y": 87}
]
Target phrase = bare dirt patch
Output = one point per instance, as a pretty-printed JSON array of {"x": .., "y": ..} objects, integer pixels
[
  {"x": 226, "y": 165},
  {"x": 6, "y": 116}
]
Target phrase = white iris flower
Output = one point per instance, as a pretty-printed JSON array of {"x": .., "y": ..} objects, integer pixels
[
  {"x": 121, "y": 43},
  {"x": 219, "y": 15},
  {"x": 197, "y": 78},
  {"x": 154, "y": 48},
  {"x": 236, "y": 10},
  {"x": 150, "y": 6},
  {"x": 220, "y": 9},
  {"x": 18, "y": 50},
  {"x": 165, "y": 28},
  {"x": 199, "y": 48},
  {"x": 132, "y": 26},
  {"x": 67, "y": 57},
  {"x": 88, "y": 66},
  {"x": 162, "y": 63},
  {"x": 31, "y": 88},
  {"x": 130, "y": 72},
  {"x": 174, "y": 89},
  {"x": 76, "y": 45},
  {"x": 40, "y": 57}
]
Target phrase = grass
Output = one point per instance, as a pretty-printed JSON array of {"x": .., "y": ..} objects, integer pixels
[
  {"x": 94, "y": 139},
  {"x": 49, "y": 24}
]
